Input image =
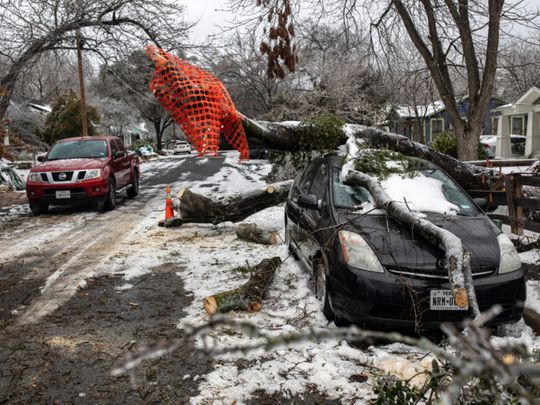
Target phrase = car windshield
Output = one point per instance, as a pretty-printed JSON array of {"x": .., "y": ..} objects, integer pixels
[
  {"x": 430, "y": 190},
  {"x": 82, "y": 149}
]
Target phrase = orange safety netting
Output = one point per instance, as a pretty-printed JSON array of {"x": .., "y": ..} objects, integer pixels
[{"x": 198, "y": 102}]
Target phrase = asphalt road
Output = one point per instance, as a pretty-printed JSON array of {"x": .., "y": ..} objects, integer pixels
[{"x": 60, "y": 340}]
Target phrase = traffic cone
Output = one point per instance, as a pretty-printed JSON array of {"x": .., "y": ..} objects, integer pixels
[{"x": 169, "y": 213}]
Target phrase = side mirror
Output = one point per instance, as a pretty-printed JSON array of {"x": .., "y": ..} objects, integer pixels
[
  {"x": 481, "y": 202},
  {"x": 119, "y": 154},
  {"x": 308, "y": 201},
  {"x": 41, "y": 158}
]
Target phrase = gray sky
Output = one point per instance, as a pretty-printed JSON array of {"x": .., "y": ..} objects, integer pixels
[{"x": 206, "y": 11}]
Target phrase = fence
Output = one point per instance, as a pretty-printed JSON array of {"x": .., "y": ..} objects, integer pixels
[{"x": 523, "y": 212}]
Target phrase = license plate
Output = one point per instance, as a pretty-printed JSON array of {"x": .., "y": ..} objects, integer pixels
[
  {"x": 443, "y": 300},
  {"x": 63, "y": 194}
]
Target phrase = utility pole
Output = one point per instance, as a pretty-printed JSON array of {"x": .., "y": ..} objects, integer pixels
[{"x": 81, "y": 85}]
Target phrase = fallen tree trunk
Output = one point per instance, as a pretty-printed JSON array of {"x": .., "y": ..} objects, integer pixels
[
  {"x": 287, "y": 137},
  {"x": 193, "y": 207},
  {"x": 252, "y": 232},
  {"x": 247, "y": 297}
]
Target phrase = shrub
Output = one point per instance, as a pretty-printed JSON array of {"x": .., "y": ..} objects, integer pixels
[{"x": 446, "y": 143}]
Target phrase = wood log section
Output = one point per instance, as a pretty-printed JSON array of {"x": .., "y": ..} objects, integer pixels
[
  {"x": 287, "y": 137},
  {"x": 247, "y": 297},
  {"x": 253, "y": 233},
  {"x": 193, "y": 207}
]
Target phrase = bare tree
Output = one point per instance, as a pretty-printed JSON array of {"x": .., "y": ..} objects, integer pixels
[
  {"x": 519, "y": 67},
  {"x": 29, "y": 28},
  {"x": 237, "y": 62},
  {"x": 53, "y": 73},
  {"x": 127, "y": 79},
  {"x": 447, "y": 34}
]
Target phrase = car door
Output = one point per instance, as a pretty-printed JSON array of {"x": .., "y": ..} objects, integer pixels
[
  {"x": 294, "y": 211},
  {"x": 312, "y": 220},
  {"x": 125, "y": 163}
]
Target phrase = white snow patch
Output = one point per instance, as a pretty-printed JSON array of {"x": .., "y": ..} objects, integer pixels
[{"x": 421, "y": 193}]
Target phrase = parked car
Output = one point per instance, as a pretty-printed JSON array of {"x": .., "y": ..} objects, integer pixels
[
  {"x": 517, "y": 144},
  {"x": 181, "y": 147},
  {"x": 371, "y": 270},
  {"x": 85, "y": 169}
]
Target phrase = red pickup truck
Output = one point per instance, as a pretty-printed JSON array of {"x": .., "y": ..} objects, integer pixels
[{"x": 84, "y": 169}]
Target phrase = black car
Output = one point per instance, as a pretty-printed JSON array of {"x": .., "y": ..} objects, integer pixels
[{"x": 371, "y": 270}]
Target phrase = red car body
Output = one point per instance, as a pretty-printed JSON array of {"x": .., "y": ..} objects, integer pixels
[{"x": 65, "y": 182}]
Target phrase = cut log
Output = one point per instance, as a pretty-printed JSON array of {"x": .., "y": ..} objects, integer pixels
[
  {"x": 193, "y": 207},
  {"x": 252, "y": 232},
  {"x": 247, "y": 297}
]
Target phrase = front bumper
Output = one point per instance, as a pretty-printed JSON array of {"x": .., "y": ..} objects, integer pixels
[
  {"x": 80, "y": 192},
  {"x": 386, "y": 299}
]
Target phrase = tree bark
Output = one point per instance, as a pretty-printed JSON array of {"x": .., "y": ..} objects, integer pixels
[
  {"x": 252, "y": 232},
  {"x": 247, "y": 297},
  {"x": 286, "y": 137},
  {"x": 193, "y": 207}
]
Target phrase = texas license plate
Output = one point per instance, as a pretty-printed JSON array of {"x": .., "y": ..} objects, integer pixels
[
  {"x": 443, "y": 300},
  {"x": 63, "y": 194}
]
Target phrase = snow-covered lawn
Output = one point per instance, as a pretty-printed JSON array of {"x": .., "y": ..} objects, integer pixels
[{"x": 208, "y": 258}]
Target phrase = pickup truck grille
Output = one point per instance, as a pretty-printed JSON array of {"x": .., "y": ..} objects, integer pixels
[{"x": 59, "y": 176}]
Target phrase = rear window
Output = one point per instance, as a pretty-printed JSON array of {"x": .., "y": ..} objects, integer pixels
[{"x": 82, "y": 149}]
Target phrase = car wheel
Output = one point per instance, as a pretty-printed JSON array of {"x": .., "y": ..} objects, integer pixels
[
  {"x": 288, "y": 242},
  {"x": 133, "y": 190},
  {"x": 110, "y": 202},
  {"x": 321, "y": 291},
  {"x": 39, "y": 208}
]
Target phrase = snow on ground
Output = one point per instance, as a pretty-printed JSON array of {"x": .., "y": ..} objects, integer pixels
[{"x": 208, "y": 258}]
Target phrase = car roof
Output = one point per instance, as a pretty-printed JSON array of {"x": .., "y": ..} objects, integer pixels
[{"x": 88, "y": 138}]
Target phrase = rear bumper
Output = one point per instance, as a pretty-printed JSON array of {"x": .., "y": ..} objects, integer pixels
[
  {"x": 385, "y": 299},
  {"x": 87, "y": 191}
]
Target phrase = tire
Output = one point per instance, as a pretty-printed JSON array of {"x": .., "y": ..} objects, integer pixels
[
  {"x": 292, "y": 252},
  {"x": 39, "y": 208},
  {"x": 133, "y": 190},
  {"x": 110, "y": 202},
  {"x": 321, "y": 290}
]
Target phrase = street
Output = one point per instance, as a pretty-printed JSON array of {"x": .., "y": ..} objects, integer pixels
[{"x": 66, "y": 314}]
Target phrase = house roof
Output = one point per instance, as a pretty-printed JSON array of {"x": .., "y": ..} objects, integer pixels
[{"x": 429, "y": 109}]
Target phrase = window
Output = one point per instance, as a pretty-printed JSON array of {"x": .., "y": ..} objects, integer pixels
[
  {"x": 84, "y": 149},
  {"x": 114, "y": 148},
  {"x": 319, "y": 182},
  {"x": 436, "y": 127},
  {"x": 517, "y": 125},
  {"x": 494, "y": 125},
  {"x": 307, "y": 176}
]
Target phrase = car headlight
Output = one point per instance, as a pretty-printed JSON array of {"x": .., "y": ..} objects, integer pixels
[
  {"x": 92, "y": 174},
  {"x": 35, "y": 177},
  {"x": 509, "y": 260},
  {"x": 357, "y": 253}
]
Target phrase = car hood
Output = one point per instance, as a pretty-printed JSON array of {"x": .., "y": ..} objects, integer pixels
[
  {"x": 397, "y": 248},
  {"x": 69, "y": 164}
]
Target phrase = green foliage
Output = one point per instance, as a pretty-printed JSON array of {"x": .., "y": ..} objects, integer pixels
[
  {"x": 446, "y": 143},
  {"x": 243, "y": 269},
  {"x": 65, "y": 121},
  {"x": 322, "y": 132},
  {"x": 381, "y": 163}
]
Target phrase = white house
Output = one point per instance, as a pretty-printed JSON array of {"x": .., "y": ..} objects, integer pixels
[{"x": 523, "y": 116}]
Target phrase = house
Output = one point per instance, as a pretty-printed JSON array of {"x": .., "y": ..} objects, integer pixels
[
  {"x": 423, "y": 123},
  {"x": 519, "y": 118}
]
